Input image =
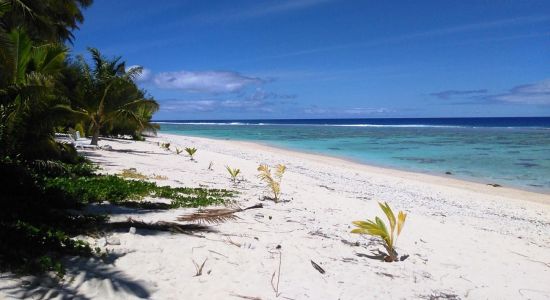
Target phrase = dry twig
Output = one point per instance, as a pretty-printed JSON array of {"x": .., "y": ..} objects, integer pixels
[
  {"x": 273, "y": 285},
  {"x": 317, "y": 267}
]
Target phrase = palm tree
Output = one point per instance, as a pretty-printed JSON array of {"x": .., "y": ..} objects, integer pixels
[
  {"x": 109, "y": 94},
  {"x": 43, "y": 20},
  {"x": 30, "y": 108}
]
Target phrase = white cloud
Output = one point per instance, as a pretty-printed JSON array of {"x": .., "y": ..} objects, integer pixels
[
  {"x": 257, "y": 101},
  {"x": 353, "y": 111},
  {"x": 535, "y": 93},
  {"x": 189, "y": 105},
  {"x": 205, "y": 82}
]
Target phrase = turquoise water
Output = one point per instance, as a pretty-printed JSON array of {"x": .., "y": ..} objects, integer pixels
[{"x": 510, "y": 156}]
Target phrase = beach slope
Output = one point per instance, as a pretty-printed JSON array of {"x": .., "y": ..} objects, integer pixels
[{"x": 462, "y": 240}]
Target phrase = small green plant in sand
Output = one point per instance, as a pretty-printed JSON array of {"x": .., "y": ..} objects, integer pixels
[
  {"x": 178, "y": 151},
  {"x": 165, "y": 146},
  {"x": 191, "y": 152},
  {"x": 273, "y": 181},
  {"x": 379, "y": 228},
  {"x": 233, "y": 173}
]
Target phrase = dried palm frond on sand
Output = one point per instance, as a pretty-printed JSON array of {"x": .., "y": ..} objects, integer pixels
[
  {"x": 215, "y": 215},
  {"x": 160, "y": 226}
]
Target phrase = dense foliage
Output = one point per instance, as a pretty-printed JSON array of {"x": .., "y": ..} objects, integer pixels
[
  {"x": 33, "y": 214},
  {"x": 43, "y": 91}
]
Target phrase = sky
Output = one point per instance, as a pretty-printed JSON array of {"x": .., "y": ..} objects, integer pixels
[{"x": 330, "y": 58}]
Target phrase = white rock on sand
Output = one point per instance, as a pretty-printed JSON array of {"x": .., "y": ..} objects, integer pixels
[{"x": 464, "y": 240}]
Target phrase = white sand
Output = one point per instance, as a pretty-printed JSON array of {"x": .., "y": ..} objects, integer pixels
[{"x": 465, "y": 239}]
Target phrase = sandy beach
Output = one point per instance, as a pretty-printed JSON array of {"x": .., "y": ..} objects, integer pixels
[{"x": 462, "y": 240}]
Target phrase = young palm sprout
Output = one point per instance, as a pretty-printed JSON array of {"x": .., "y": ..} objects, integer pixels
[
  {"x": 378, "y": 228},
  {"x": 191, "y": 152},
  {"x": 233, "y": 173},
  {"x": 273, "y": 181},
  {"x": 178, "y": 151}
]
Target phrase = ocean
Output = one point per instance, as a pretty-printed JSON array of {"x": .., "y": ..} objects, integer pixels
[{"x": 507, "y": 151}]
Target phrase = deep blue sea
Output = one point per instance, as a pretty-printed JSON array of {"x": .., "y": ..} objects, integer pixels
[{"x": 508, "y": 151}]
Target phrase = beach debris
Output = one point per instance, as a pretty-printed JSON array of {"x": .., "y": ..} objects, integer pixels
[
  {"x": 199, "y": 268},
  {"x": 436, "y": 295},
  {"x": 113, "y": 241},
  {"x": 353, "y": 244},
  {"x": 160, "y": 226},
  {"x": 247, "y": 245},
  {"x": 378, "y": 228},
  {"x": 246, "y": 297},
  {"x": 132, "y": 230},
  {"x": 132, "y": 173},
  {"x": 211, "y": 166},
  {"x": 106, "y": 147},
  {"x": 385, "y": 274},
  {"x": 158, "y": 177},
  {"x": 273, "y": 181},
  {"x": 318, "y": 232},
  {"x": 278, "y": 247},
  {"x": 215, "y": 215},
  {"x": 326, "y": 187},
  {"x": 274, "y": 285},
  {"x": 317, "y": 267},
  {"x": 233, "y": 173},
  {"x": 494, "y": 184},
  {"x": 191, "y": 152},
  {"x": 448, "y": 173},
  {"x": 231, "y": 242}
]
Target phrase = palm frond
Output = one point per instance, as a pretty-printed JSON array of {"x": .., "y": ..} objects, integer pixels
[
  {"x": 211, "y": 216},
  {"x": 215, "y": 215},
  {"x": 273, "y": 183}
]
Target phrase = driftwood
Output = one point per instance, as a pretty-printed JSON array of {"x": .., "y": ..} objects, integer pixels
[
  {"x": 160, "y": 226},
  {"x": 215, "y": 215}
]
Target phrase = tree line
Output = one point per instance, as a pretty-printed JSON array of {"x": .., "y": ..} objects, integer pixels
[{"x": 43, "y": 90}]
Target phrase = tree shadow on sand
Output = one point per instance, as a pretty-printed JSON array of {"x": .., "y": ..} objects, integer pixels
[
  {"x": 86, "y": 278},
  {"x": 94, "y": 278}
]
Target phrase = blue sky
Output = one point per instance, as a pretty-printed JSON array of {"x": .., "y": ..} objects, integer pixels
[{"x": 331, "y": 58}]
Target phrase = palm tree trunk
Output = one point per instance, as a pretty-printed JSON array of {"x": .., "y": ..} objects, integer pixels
[{"x": 95, "y": 136}]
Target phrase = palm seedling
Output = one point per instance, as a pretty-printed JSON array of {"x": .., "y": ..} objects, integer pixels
[
  {"x": 273, "y": 181},
  {"x": 191, "y": 152},
  {"x": 379, "y": 228},
  {"x": 233, "y": 173},
  {"x": 165, "y": 146},
  {"x": 178, "y": 151}
]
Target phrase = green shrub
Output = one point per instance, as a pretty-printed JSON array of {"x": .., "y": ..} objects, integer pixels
[{"x": 115, "y": 189}]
